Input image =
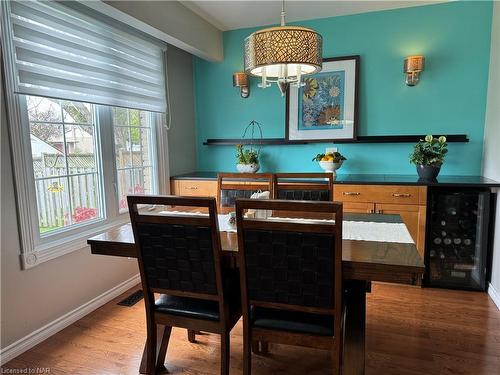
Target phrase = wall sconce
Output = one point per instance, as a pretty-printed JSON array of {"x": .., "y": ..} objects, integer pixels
[
  {"x": 412, "y": 67},
  {"x": 240, "y": 79}
]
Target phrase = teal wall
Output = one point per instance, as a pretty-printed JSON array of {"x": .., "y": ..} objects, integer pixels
[{"x": 450, "y": 98}]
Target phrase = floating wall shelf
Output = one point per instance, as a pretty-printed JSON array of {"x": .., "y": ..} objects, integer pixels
[{"x": 360, "y": 139}]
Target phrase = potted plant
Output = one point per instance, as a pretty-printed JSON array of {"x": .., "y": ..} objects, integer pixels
[
  {"x": 330, "y": 162},
  {"x": 428, "y": 155},
  {"x": 247, "y": 160}
]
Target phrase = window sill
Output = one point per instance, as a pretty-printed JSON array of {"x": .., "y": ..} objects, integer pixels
[{"x": 55, "y": 249}]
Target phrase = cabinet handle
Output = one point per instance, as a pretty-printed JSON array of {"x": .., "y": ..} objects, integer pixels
[
  {"x": 192, "y": 188},
  {"x": 401, "y": 195},
  {"x": 351, "y": 193}
]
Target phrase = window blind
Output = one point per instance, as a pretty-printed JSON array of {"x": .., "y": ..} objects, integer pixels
[{"x": 65, "y": 52}]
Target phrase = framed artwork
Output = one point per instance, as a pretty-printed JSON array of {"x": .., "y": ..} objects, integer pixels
[{"x": 325, "y": 109}]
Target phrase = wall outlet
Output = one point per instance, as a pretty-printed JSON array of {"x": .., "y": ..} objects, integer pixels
[{"x": 330, "y": 150}]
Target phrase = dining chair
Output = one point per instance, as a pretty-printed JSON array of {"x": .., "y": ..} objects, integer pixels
[
  {"x": 180, "y": 258},
  {"x": 303, "y": 186},
  {"x": 231, "y": 186},
  {"x": 291, "y": 277}
]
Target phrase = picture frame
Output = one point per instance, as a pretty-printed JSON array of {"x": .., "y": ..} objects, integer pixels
[{"x": 325, "y": 109}]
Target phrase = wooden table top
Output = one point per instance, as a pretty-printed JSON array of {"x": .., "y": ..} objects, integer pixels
[{"x": 361, "y": 260}]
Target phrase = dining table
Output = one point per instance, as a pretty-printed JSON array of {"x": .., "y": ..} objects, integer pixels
[{"x": 371, "y": 252}]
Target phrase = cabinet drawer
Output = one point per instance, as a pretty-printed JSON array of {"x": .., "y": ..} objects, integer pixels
[
  {"x": 358, "y": 207},
  {"x": 193, "y": 188},
  {"x": 397, "y": 194}
]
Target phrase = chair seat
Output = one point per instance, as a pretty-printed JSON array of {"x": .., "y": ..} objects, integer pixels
[
  {"x": 188, "y": 307},
  {"x": 285, "y": 320},
  {"x": 204, "y": 309}
]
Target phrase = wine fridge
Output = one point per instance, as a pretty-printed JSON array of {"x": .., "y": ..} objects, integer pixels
[{"x": 457, "y": 238}]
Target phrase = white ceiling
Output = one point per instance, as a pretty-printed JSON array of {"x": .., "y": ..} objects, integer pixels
[{"x": 236, "y": 14}]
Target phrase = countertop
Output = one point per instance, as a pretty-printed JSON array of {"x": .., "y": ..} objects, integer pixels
[{"x": 378, "y": 179}]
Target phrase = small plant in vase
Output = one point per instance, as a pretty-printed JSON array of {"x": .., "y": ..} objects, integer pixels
[
  {"x": 428, "y": 156},
  {"x": 247, "y": 160},
  {"x": 330, "y": 162}
]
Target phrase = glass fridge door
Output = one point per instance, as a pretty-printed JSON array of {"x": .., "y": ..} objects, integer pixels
[{"x": 457, "y": 241}]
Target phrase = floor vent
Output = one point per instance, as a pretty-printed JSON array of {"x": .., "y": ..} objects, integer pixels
[{"x": 132, "y": 299}]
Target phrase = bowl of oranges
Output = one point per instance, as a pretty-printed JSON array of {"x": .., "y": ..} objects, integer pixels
[{"x": 330, "y": 161}]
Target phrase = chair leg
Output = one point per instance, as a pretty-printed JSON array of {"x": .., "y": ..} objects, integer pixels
[
  {"x": 144, "y": 360},
  {"x": 191, "y": 335},
  {"x": 151, "y": 349},
  {"x": 336, "y": 368},
  {"x": 255, "y": 347},
  {"x": 264, "y": 347},
  {"x": 225, "y": 353},
  {"x": 336, "y": 360},
  {"x": 260, "y": 347},
  {"x": 160, "y": 362},
  {"x": 247, "y": 351}
]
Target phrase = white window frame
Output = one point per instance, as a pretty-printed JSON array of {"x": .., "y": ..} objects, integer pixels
[{"x": 35, "y": 248}]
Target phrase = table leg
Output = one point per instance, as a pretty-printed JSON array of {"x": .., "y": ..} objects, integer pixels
[{"x": 355, "y": 327}]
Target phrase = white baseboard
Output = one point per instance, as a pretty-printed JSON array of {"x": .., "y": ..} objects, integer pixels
[
  {"x": 495, "y": 295},
  {"x": 41, "y": 334}
]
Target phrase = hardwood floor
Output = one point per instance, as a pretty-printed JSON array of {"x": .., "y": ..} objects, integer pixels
[{"x": 409, "y": 331}]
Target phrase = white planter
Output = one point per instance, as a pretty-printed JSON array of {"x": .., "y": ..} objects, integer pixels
[
  {"x": 247, "y": 168},
  {"x": 330, "y": 166}
]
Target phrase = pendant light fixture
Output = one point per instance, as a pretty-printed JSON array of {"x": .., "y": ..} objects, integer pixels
[{"x": 283, "y": 54}]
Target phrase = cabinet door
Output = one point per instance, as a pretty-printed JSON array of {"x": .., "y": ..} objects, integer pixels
[
  {"x": 358, "y": 207},
  {"x": 194, "y": 188},
  {"x": 414, "y": 218}
]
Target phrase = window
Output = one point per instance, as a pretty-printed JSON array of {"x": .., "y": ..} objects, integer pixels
[
  {"x": 67, "y": 176},
  {"x": 87, "y": 102},
  {"x": 68, "y": 150},
  {"x": 133, "y": 153},
  {"x": 84, "y": 159}
]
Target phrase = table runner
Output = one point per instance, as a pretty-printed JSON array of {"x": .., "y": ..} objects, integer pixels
[{"x": 351, "y": 230}]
